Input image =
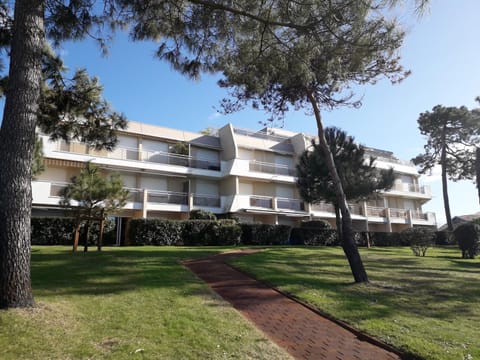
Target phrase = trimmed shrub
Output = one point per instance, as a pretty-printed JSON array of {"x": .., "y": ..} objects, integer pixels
[
  {"x": 199, "y": 214},
  {"x": 313, "y": 237},
  {"x": 210, "y": 233},
  {"x": 155, "y": 232},
  {"x": 467, "y": 237},
  {"x": 52, "y": 231},
  {"x": 265, "y": 234},
  {"x": 314, "y": 233},
  {"x": 420, "y": 239},
  {"x": 385, "y": 239},
  {"x": 60, "y": 231},
  {"x": 444, "y": 238},
  {"x": 316, "y": 224}
]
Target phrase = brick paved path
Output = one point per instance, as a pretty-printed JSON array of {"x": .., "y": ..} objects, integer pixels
[{"x": 293, "y": 326}]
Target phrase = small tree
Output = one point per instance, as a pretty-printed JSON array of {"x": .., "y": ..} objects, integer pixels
[
  {"x": 451, "y": 135},
  {"x": 358, "y": 174},
  {"x": 467, "y": 236},
  {"x": 199, "y": 214},
  {"x": 420, "y": 239},
  {"x": 91, "y": 197}
]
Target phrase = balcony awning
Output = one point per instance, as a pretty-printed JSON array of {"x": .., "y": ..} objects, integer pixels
[{"x": 64, "y": 163}]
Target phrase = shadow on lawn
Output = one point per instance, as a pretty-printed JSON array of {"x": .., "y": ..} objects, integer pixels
[
  {"x": 61, "y": 272},
  {"x": 398, "y": 285}
]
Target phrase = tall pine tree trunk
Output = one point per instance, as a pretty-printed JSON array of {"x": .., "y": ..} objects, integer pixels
[
  {"x": 349, "y": 246},
  {"x": 338, "y": 221},
  {"x": 17, "y": 142},
  {"x": 443, "y": 163},
  {"x": 477, "y": 170}
]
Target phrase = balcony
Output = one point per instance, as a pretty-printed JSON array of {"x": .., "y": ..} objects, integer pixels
[
  {"x": 206, "y": 200},
  {"x": 167, "y": 197},
  {"x": 271, "y": 168},
  {"x": 399, "y": 213},
  {"x": 261, "y": 201},
  {"x": 133, "y": 154},
  {"x": 290, "y": 204},
  {"x": 376, "y": 211},
  {"x": 412, "y": 188},
  {"x": 323, "y": 207}
]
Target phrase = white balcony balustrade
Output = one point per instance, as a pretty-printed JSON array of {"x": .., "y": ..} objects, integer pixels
[
  {"x": 206, "y": 200},
  {"x": 167, "y": 197},
  {"x": 133, "y": 154},
  {"x": 271, "y": 168},
  {"x": 290, "y": 204}
]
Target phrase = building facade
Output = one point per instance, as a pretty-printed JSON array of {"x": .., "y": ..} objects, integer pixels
[{"x": 234, "y": 172}]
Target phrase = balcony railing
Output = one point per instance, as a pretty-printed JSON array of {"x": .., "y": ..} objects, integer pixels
[
  {"x": 126, "y": 153},
  {"x": 56, "y": 188},
  {"x": 271, "y": 168},
  {"x": 167, "y": 197},
  {"x": 206, "y": 200},
  {"x": 418, "y": 215},
  {"x": 261, "y": 201},
  {"x": 290, "y": 204},
  {"x": 375, "y": 211},
  {"x": 399, "y": 213},
  {"x": 414, "y": 188},
  {"x": 325, "y": 207}
]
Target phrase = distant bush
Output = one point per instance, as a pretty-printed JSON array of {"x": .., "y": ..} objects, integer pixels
[
  {"x": 60, "y": 231},
  {"x": 210, "y": 233},
  {"x": 199, "y": 214},
  {"x": 314, "y": 233},
  {"x": 420, "y": 239},
  {"x": 467, "y": 237},
  {"x": 264, "y": 234},
  {"x": 386, "y": 239},
  {"x": 52, "y": 231},
  {"x": 316, "y": 224},
  {"x": 155, "y": 232},
  {"x": 444, "y": 238}
]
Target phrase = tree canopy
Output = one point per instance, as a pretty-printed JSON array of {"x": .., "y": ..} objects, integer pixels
[
  {"x": 452, "y": 134},
  {"x": 360, "y": 178},
  {"x": 91, "y": 196}
]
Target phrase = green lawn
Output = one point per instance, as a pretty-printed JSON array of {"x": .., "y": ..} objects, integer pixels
[
  {"x": 427, "y": 306},
  {"x": 126, "y": 303}
]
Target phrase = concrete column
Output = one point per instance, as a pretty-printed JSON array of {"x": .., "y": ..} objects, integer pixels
[
  {"x": 274, "y": 203},
  {"x": 190, "y": 201},
  {"x": 140, "y": 148},
  {"x": 389, "y": 224},
  {"x": 145, "y": 203},
  {"x": 409, "y": 218}
]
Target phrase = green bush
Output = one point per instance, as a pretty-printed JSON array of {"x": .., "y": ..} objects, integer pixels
[
  {"x": 187, "y": 232},
  {"x": 52, "y": 231},
  {"x": 155, "y": 232},
  {"x": 314, "y": 233},
  {"x": 199, "y": 214},
  {"x": 420, "y": 239},
  {"x": 316, "y": 224},
  {"x": 60, "y": 231},
  {"x": 444, "y": 238},
  {"x": 386, "y": 239},
  {"x": 467, "y": 237},
  {"x": 265, "y": 234}
]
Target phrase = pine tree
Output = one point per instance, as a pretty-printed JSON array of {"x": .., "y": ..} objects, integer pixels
[
  {"x": 452, "y": 133},
  {"x": 358, "y": 174},
  {"x": 91, "y": 197}
]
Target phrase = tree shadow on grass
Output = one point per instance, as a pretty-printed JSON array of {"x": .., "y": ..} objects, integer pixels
[{"x": 60, "y": 272}]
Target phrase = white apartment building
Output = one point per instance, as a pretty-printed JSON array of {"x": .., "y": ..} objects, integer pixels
[{"x": 235, "y": 172}]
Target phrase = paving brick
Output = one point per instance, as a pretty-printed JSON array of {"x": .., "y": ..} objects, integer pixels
[{"x": 300, "y": 331}]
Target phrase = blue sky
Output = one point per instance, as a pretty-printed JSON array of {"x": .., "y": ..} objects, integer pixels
[{"x": 442, "y": 50}]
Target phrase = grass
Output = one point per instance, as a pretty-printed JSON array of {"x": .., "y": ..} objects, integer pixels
[
  {"x": 427, "y": 306},
  {"x": 126, "y": 303}
]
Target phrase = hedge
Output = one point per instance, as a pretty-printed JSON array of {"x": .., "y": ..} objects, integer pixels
[
  {"x": 264, "y": 234},
  {"x": 60, "y": 231},
  {"x": 155, "y": 232}
]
